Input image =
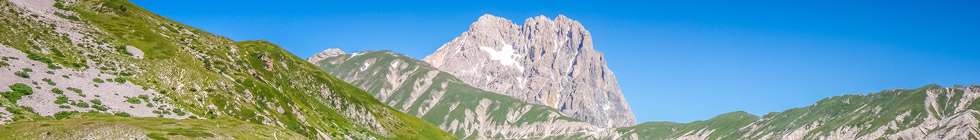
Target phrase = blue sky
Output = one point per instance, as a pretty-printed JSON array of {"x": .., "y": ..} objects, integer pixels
[{"x": 676, "y": 61}]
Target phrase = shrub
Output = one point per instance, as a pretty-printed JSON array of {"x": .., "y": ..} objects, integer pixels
[
  {"x": 64, "y": 114},
  {"x": 79, "y": 91},
  {"x": 12, "y": 96},
  {"x": 28, "y": 70},
  {"x": 149, "y": 104},
  {"x": 133, "y": 100},
  {"x": 61, "y": 99},
  {"x": 179, "y": 112},
  {"x": 121, "y": 114},
  {"x": 120, "y": 80},
  {"x": 96, "y": 102},
  {"x": 100, "y": 107},
  {"x": 22, "y": 88},
  {"x": 39, "y": 58},
  {"x": 48, "y": 81},
  {"x": 144, "y": 97},
  {"x": 22, "y": 74},
  {"x": 57, "y": 91},
  {"x": 81, "y": 104},
  {"x": 53, "y": 66},
  {"x": 4, "y": 64},
  {"x": 97, "y": 80}
]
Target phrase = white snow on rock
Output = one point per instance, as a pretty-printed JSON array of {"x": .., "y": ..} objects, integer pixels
[{"x": 505, "y": 56}]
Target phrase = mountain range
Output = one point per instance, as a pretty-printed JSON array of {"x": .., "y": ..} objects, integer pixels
[{"x": 109, "y": 69}]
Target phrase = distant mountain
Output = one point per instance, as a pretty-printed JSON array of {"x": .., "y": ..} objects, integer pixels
[
  {"x": 417, "y": 88},
  {"x": 63, "y": 58},
  {"x": 546, "y": 62},
  {"x": 930, "y": 112}
]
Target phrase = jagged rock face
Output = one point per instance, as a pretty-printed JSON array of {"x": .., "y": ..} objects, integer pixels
[{"x": 547, "y": 62}]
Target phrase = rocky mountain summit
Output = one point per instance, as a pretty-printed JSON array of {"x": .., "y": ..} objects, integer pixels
[
  {"x": 326, "y": 53},
  {"x": 547, "y": 62}
]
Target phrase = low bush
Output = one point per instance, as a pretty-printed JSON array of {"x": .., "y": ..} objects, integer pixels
[
  {"x": 22, "y": 74},
  {"x": 64, "y": 115},
  {"x": 121, "y": 114},
  {"x": 134, "y": 100},
  {"x": 61, "y": 99},
  {"x": 57, "y": 91}
]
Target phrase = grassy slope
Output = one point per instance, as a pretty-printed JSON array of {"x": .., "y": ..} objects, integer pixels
[
  {"x": 832, "y": 113},
  {"x": 725, "y": 126},
  {"x": 211, "y": 76},
  {"x": 109, "y": 126},
  {"x": 373, "y": 79}
]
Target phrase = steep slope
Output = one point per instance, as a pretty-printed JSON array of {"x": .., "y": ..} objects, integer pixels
[
  {"x": 417, "y": 88},
  {"x": 547, "y": 62},
  {"x": 111, "y": 56},
  {"x": 930, "y": 112}
]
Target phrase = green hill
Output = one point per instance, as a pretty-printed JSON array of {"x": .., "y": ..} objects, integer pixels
[{"x": 123, "y": 55}]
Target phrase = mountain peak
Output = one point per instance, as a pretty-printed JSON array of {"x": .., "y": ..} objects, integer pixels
[
  {"x": 547, "y": 62},
  {"x": 324, "y": 54}
]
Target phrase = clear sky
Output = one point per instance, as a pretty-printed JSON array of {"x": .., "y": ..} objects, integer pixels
[{"x": 676, "y": 61}]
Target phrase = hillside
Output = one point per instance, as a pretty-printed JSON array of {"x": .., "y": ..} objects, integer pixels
[
  {"x": 929, "y": 112},
  {"x": 106, "y": 126},
  {"x": 111, "y": 56},
  {"x": 420, "y": 89}
]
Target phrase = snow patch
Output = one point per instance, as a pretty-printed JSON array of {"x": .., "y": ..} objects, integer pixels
[
  {"x": 557, "y": 101},
  {"x": 505, "y": 56}
]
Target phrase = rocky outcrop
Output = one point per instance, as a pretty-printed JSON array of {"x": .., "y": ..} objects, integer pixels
[{"x": 547, "y": 62}]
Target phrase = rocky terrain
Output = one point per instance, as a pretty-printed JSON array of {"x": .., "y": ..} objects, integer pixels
[
  {"x": 71, "y": 62},
  {"x": 415, "y": 87},
  {"x": 930, "y": 112},
  {"x": 547, "y": 62}
]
